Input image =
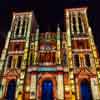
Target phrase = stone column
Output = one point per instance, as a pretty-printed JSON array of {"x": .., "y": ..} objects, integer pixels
[
  {"x": 60, "y": 87},
  {"x": 69, "y": 55},
  {"x": 33, "y": 87},
  {"x": 94, "y": 89},
  {"x": 3, "y": 60},
  {"x": 20, "y": 81},
  {"x": 3, "y": 88},
  {"x": 36, "y": 46}
]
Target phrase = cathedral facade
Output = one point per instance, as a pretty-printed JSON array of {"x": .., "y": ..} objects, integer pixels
[{"x": 51, "y": 65}]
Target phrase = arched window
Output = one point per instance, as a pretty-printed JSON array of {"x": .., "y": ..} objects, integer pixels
[
  {"x": 85, "y": 88},
  {"x": 10, "y": 95},
  {"x": 87, "y": 60},
  {"x": 76, "y": 60},
  {"x": 9, "y": 61}
]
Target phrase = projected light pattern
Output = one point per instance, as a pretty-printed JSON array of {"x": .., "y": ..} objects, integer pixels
[{"x": 50, "y": 65}]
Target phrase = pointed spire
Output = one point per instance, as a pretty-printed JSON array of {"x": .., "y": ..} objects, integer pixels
[
  {"x": 37, "y": 33},
  {"x": 58, "y": 28},
  {"x": 37, "y": 29}
]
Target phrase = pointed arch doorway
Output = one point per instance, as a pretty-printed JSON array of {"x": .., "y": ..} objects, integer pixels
[
  {"x": 10, "y": 94},
  {"x": 85, "y": 88},
  {"x": 47, "y": 90}
]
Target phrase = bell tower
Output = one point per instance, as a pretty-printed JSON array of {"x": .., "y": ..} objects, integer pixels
[
  {"x": 13, "y": 62},
  {"x": 83, "y": 62},
  {"x": 50, "y": 65}
]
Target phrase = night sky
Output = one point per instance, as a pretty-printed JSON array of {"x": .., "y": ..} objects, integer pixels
[{"x": 48, "y": 13}]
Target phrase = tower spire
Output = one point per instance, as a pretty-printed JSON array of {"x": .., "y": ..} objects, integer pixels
[
  {"x": 58, "y": 28},
  {"x": 37, "y": 29}
]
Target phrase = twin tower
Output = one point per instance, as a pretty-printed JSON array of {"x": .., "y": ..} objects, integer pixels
[{"x": 51, "y": 65}]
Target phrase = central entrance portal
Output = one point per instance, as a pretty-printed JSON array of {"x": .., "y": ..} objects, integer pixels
[{"x": 47, "y": 90}]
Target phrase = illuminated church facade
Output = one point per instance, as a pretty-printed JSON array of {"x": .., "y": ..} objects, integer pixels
[{"x": 51, "y": 65}]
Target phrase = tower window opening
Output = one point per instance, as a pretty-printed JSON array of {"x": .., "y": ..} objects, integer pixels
[
  {"x": 87, "y": 60},
  {"x": 74, "y": 25},
  {"x": 74, "y": 21},
  {"x": 76, "y": 60},
  {"x": 23, "y": 27},
  {"x": 9, "y": 61},
  {"x": 18, "y": 27},
  {"x": 80, "y": 24},
  {"x": 26, "y": 21},
  {"x": 19, "y": 61}
]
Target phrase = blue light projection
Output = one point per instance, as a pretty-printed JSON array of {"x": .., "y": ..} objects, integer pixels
[
  {"x": 47, "y": 90},
  {"x": 11, "y": 90},
  {"x": 85, "y": 90}
]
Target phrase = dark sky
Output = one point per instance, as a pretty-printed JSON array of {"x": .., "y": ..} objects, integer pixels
[{"x": 48, "y": 13}]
